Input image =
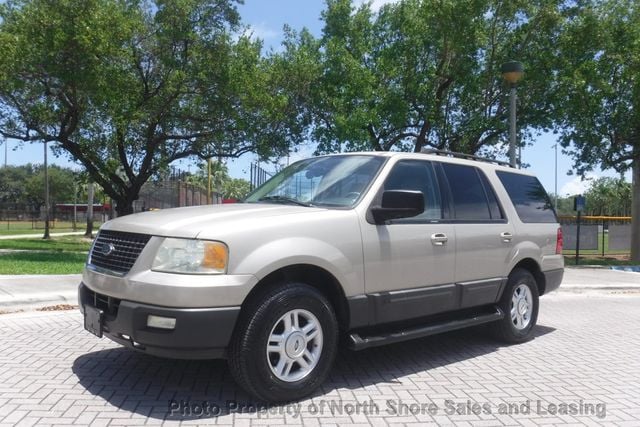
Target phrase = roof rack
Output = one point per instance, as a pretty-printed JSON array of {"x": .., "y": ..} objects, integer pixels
[{"x": 463, "y": 156}]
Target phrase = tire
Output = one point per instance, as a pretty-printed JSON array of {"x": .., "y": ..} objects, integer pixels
[
  {"x": 282, "y": 330},
  {"x": 519, "y": 302}
]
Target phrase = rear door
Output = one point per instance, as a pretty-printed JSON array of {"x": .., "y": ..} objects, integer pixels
[{"x": 484, "y": 238}]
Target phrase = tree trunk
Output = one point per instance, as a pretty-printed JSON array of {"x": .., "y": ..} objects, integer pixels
[
  {"x": 89, "y": 232},
  {"x": 124, "y": 203},
  {"x": 635, "y": 207}
]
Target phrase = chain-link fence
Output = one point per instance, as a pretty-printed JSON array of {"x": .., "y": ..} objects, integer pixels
[{"x": 20, "y": 217}]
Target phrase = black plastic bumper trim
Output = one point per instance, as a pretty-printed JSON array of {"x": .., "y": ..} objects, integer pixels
[
  {"x": 200, "y": 333},
  {"x": 552, "y": 279}
]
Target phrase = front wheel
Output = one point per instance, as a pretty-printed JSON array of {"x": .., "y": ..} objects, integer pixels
[
  {"x": 519, "y": 302},
  {"x": 285, "y": 343}
]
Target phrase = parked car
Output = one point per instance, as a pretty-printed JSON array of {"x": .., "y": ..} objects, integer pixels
[{"x": 363, "y": 249}]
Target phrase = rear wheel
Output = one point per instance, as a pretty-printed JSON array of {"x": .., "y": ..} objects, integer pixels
[
  {"x": 519, "y": 302},
  {"x": 285, "y": 343}
]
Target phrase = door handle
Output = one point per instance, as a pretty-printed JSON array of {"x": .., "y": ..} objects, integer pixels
[
  {"x": 439, "y": 239},
  {"x": 506, "y": 237}
]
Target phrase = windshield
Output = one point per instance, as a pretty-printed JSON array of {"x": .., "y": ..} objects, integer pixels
[{"x": 333, "y": 181}]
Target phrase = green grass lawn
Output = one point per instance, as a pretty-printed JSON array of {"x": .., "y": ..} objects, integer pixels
[
  {"x": 42, "y": 262},
  {"x": 571, "y": 260},
  {"x": 8, "y": 228},
  {"x": 55, "y": 244}
]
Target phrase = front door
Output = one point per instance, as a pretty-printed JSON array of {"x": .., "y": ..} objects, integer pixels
[{"x": 410, "y": 263}]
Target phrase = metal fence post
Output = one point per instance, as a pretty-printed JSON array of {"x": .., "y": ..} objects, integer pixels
[
  {"x": 578, "y": 239},
  {"x": 603, "y": 224}
]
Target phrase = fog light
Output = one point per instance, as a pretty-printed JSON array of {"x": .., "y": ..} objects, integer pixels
[{"x": 161, "y": 322}]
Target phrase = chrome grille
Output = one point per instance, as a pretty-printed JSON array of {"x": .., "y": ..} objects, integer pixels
[{"x": 117, "y": 251}]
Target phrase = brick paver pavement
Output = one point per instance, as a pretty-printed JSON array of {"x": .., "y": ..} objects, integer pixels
[{"x": 583, "y": 367}]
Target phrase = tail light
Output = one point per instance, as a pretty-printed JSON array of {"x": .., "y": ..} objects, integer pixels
[{"x": 559, "y": 242}]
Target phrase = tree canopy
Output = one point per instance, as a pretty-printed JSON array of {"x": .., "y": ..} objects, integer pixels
[
  {"x": 127, "y": 87},
  {"x": 598, "y": 106},
  {"x": 426, "y": 73}
]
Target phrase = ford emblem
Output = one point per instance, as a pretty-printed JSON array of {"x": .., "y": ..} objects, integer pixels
[{"x": 107, "y": 249}]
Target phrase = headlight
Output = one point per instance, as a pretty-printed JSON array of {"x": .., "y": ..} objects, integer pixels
[{"x": 191, "y": 256}]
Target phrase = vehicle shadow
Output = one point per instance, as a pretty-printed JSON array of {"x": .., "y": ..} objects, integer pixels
[{"x": 186, "y": 390}]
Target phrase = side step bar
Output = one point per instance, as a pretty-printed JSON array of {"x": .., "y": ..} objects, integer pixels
[{"x": 357, "y": 342}]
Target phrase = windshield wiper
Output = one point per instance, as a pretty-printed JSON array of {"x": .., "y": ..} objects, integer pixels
[{"x": 284, "y": 199}]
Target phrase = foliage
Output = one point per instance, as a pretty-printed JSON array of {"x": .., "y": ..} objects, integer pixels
[
  {"x": 609, "y": 196},
  {"x": 221, "y": 182},
  {"x": 127, "y": 87},
  {"x": 598, "y": 105},
  {"x": 426, "y": 73},
  {"x": 12, "y": 179},
  {"x": 236, "y": 188},
  {"x": 565, "y": 205},
  {"x": 25, "y": 184}
]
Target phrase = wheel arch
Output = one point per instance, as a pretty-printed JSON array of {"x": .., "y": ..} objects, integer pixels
[
  {"x": 312, "y": 275},
  {"x": 533, "y": 267}
]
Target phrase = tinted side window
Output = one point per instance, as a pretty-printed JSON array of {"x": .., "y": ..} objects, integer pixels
[
  {"x": 468, "y": 193},
  {"x": 528, "y": 197},
  {"x": 417, "y": 175},
  {"x": 494, "y": 206}
]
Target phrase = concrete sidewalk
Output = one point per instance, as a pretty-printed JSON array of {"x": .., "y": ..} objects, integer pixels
[
  {"x": 23, "y": 291},
  {"x": 40, "y": 290},
  {"x": 586, "y": 279}
]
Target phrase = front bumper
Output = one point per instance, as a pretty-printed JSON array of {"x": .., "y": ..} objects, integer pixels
[{"x": 200, "y": 333}]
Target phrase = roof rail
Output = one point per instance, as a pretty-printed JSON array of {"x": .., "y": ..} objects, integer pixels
[{"x": 463, "y": 156}]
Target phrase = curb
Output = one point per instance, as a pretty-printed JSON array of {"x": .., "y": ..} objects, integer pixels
[
  {"x": 39, "y": 300},
  {"x": 598, "y": 288}
]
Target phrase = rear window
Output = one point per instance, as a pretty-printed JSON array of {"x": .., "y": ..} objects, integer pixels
[{"x": 528, "y": 196}]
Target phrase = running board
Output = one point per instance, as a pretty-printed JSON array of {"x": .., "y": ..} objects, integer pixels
[{"x": 357, "y": 342}]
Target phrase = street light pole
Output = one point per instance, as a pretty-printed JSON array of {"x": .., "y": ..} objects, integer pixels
[
  {"x": 512, "y": 72},
  {"x": 46, "y": 194},
  {"x": 512, "y": 126},
  {"x": 555, "y": 205}
]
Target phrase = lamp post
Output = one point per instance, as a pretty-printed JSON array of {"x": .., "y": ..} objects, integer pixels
[
  {"x": 555, "y": 205},
  {"x": 46, "y": 194},
  {"x": 512, "y": 72}
]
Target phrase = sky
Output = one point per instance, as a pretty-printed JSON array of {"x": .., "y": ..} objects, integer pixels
[{"x": 266, "y": 20}]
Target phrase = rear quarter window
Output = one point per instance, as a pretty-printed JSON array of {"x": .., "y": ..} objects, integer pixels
[{"x": 528, "y": 197}]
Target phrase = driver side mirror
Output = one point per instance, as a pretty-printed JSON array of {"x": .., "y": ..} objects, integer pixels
[{"x": 398, "y": 204}]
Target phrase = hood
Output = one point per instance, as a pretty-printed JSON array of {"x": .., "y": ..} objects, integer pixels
[{"x": 188, "y": 222}]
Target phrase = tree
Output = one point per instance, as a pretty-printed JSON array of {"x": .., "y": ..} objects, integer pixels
[
  {"x": 61, "y": 182},
  {"x": 609, "y": 196},
  {"x": 236, "y": 188},
  {"x": 127, "y": 87},
  {"x": 599, "y": 103},
  {"x": 12, "y": 183},
  {"x": 221, "y": 182},
  {"x": 426, "y": 73}
]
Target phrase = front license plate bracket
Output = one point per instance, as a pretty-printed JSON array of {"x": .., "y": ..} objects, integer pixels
[{"x": 93, "y": 320}]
